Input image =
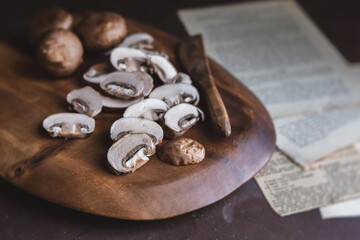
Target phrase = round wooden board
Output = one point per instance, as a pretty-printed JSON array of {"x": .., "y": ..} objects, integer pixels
[{"x": 72, "y": 173}]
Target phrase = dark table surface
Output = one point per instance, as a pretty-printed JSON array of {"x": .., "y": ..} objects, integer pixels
[{"x": 244, "y": 214}]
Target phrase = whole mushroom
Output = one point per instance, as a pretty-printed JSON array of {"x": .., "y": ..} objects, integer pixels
[
  {"x": 46, "y": 20},
  {"x": 182, "y": 151},
  {"x": 60, "y": 52},
  {"x": 101, "y": 31}
]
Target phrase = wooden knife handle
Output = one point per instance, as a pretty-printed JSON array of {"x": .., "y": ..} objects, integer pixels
[{"x": 218, "y": 113}]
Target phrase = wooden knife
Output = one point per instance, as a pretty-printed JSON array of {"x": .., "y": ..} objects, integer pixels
[{"x": 193, "y": 57}]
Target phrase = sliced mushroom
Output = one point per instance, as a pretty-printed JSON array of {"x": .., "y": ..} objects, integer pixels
[
  {"x": 123, "y": 85},
  {"x": 181, "y": 118},
  {"x": 116, "y": 103},
  {"x": 128, "y": 59},
  {"x": 174, "y": 94},
  {"x": 98, "y": 72},
  {"x": 130, "y": 153},
  {"x": 124, "y": 126},
  {"x": 150, "y": 108},
  {"x": 148, "y": 83},
  {"x": 137, "y": 41},
  {"x": 85, "y": 100},
  {"x": 69, "y": 125},
  {"x": 162, "y": 67},
  {"x": 154, "y": 53},
  {"x": 181, "y": 78}
]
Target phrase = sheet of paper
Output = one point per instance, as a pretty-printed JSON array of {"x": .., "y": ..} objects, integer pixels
[
  {"x": 284, "y": 59},
  {"x": 289, "y": 189},
  {"x": 311, "y": 137},
  {"x": 277, "y": 52},
  {"x": 350, "y": 208}
]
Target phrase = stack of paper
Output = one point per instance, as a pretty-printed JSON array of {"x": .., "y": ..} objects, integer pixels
[{"x": 308, "y": 89}]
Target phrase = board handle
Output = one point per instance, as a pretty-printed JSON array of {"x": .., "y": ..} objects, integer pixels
[{"x": 218, "y": 113}]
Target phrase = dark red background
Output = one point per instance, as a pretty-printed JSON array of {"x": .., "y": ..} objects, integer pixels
[{"x": 244, "y": 214}]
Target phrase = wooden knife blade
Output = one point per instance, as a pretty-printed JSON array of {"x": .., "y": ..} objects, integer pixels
[{"x": 193, "y": 57}]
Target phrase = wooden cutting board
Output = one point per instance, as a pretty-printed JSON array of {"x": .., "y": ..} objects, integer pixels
[{"x": 72, "y": 173}]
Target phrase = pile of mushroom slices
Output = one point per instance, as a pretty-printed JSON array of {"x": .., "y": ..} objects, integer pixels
[{"x": 126, "y": 82}]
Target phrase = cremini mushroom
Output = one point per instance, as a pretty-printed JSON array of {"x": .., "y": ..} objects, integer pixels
[
  {"x": 174, "y": 94},
  {"x": 181, "y": 118},
  {"x": 69, "y": 125},
  {"x": 101, "y": 31},
  {"x": 98, "y": 72},
  {"x": 181, "y": 78},
  {"x": 162, "y": 67},
  {"x": 128, "y": 59},
  {"x": 60, "y": 52},
  {"x": 127, "y": 125},
  {"x": 85, "y": 100},
  {"x": 150, "y": 108},
  {"x": 123, "y": 85},
  {"x": 181, "y": 152},
  {"x": 130, "y": 153},
  {"x": 116, "y": 103},
  {"x": 46, "y": 20}
]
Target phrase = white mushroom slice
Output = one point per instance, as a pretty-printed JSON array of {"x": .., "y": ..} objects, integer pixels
[
  {"x": 69, "y": 125},
  {"x": 116, "y": 103},
  {"x": 123, "y": 85},
  {"x": 98, "y": 72},
  {"x": 174, "y": 94},
  {"x": 138, "y": 41},
  {"x": 154, "y": 53},
  {"x": 124, "y": 126},
  {"x": 162, "y": 67},
  {"x": 85, "y": 100},
  {"x": 128, "y": 59},
  {"x": 181, "y": 118},
  {"x": 181, "y": 78},
  {"x": 148, "y": 83},
  {"x": 130, "y": 153},
  {"x": 150, "y": 108}
]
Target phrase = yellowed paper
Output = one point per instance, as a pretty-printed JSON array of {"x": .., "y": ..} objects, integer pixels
[
  {"x": 311, "y": 137},
  {"x": 286, "y": 61},
  {"x": 289, "y": 189},
  {"x": 275, "y": 49},
  {"x": 349, "y": 208}
]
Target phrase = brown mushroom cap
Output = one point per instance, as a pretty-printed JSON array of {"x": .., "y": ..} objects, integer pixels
[
  {"x": 101, "y": 31},
  {"x": 60, "y": 52},
  {"x": 182, "y": 151},
  {"x": 46, "y": 20}
]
